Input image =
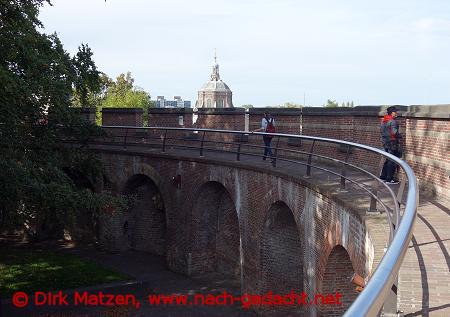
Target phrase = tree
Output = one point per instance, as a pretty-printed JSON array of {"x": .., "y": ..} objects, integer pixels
[
  {"x": 334, "y": 104},
  {"x": 88, "y": 81},
  {"x": 291, "y": 105},
  {"x": 37, "y": 76},
  {"x": 248, "y": 106},
  {"x": 123, "y": 93},
  {"x": 331, "y": 104}
]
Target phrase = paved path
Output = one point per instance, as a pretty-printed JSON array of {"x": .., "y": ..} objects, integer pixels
[{"x": 424, "y": 280}]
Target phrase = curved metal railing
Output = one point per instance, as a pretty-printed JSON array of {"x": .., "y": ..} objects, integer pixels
[{"x": 371, "y": 300}]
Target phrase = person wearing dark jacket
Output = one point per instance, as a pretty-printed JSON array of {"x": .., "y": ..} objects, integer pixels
[{"x": 390, "y": 136}]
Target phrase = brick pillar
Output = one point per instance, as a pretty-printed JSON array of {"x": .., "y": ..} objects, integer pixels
[
  {"x": 87, "y": 114},
  {"x": 427, "y": 130},
  {"x": 132, "y": 117},
  {"x": 221, "y": 119},
  {"x": 170, "y": 117}
]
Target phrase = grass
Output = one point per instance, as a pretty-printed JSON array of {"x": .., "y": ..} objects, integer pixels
[{"x": 36, "y": 270}]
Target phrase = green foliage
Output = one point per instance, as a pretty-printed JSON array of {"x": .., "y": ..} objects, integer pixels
[
  {"x": 36, "y": 270},
  {"x": 331, "y": 104},
  {"x": 247, "y": 106},
  {"x": 291, "y": 105},
  {"x": 37, "y": 77},
  {"x": 88, "y": 82},
  {"x": 334, "y": 104},
  {"x": 287, "y": 105},
  {"x": 123, "y": 94}
]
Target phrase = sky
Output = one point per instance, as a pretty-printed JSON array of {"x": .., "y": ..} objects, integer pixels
[{"x": 269, "y": 51}]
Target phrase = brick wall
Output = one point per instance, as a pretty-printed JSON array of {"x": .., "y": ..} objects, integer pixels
[
  {"x": 428, "y": 147},
  {"x": 87, "y": 114},
  {"x": 337, "y": 276},
  {"x": 170, "y": 117},
  {"x": 425, "y": 141},
  {"x": 286, "y": 120},
  {"x": 145, "y": 220},
  {"x": 425, "y": 132},
  {"x": 285, "y": 229},
  {"x": 215, "y": 242},
  {"x": 281, "y": 255},
  {"x": 221, "y": 119},
  {"x": 132, "y": 117}
]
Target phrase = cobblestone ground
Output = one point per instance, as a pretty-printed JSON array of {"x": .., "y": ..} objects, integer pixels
[{"x": 424, "y": 280}]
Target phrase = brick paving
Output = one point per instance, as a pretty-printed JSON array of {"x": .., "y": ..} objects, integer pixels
[{"x": 424, "y": 279}]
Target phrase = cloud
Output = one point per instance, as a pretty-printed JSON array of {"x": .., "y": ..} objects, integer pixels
[{"x": 436, "y": 26}]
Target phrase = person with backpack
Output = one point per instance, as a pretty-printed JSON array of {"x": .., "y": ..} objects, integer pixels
[
  {"x": 390, "y": 136},
  {"x": 268, "y": 126}
]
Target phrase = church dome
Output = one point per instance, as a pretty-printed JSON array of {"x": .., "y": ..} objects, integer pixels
[
  {"x": 214, "y": 93},
  {"x": 215, "y": 85}
]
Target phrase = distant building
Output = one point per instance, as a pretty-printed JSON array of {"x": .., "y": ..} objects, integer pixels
[
  {"x": 177, "y": 102},
  {"x": 214, "y": 93}
]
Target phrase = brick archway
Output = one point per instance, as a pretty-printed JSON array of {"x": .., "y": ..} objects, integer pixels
[
  {"x": 85, "y": 227},
  {"x": 145, "y": 224},
  {"x": 215, "y": 235},
  {"x": 281, "y": 255},
  {"x": 338, "y": 272}
]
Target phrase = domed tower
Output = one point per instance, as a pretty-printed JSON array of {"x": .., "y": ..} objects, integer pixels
[{"x": 214, "y": 93}]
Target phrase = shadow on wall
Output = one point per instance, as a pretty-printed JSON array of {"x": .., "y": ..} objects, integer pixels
[
  {"x": 337, "y": 278},
  {"x": 281, "y": 256},
  {"x": 144, "y": 225},
  {"x": 215, "y": 236}
]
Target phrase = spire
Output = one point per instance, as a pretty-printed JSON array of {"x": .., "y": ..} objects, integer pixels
[{"x": 215, "y": 73}]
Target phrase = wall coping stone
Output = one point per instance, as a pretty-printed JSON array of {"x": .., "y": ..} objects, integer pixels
[
  {"x": 170, "y": 111},
  {"x": 428, "y": 111},
  {"x": 276, "y": 111},
  {"x": 221, "y": 111},
  {"x": 122, "y": 110}
]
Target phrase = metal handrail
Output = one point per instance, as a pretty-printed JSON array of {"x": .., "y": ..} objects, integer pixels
[{"x": 370, "y": 301}]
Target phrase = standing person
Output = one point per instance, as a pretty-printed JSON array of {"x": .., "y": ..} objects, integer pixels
[
  {"x": 268, "y": 126},
  {"x": 390, "y": 136}
]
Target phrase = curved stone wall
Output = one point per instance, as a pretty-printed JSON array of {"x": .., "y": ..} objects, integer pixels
[{"x": 241, "y": 221}]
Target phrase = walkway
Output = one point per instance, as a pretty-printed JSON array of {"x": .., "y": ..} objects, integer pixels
[{"x": 424, "y": 279}]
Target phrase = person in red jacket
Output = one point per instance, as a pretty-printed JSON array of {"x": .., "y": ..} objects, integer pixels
[{"x": 390, "y": 136}]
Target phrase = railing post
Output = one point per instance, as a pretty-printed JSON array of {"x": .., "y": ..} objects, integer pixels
[
  {"x": 390, "y": 305},
  {"x": 238, "y": 155},
  {"x": 201, "y": 144},
  {"x": 308, "y": 167},
  {"x": 401, "y": 190},
  {"x": 164, "y": 141},
  {"x": 373, "y": 201},
  {"x": 125, "y": 139},
  {"x": 274, "y": 158},
  {"x": 344, "y": 168}
]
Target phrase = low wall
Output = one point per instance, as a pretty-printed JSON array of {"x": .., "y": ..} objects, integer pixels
[{"x": 425, "y": 130}]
